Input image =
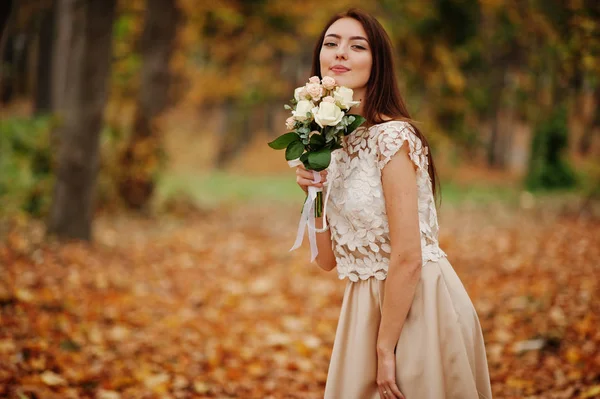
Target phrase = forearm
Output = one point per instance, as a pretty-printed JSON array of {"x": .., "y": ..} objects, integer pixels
[
  {"x": 400, "y": 287},
  {"x": 325, "y": 257}
]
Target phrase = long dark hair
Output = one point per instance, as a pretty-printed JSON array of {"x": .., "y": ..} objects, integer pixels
[{"x": 383, "y": 97}]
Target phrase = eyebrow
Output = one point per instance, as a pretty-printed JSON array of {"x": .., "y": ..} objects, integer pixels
[{"x": 351, "y": 37}]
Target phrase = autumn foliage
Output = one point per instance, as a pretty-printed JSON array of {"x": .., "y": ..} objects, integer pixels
[{"x": 214, "y": 306}]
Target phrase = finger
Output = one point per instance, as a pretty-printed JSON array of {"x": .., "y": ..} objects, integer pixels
[
  {"x": 307, "y": 182},
  {"x": 381, "y": 394},
  {"x": 387, "y": 392},
  {"x": 395, "y": 390},
  {"x": 306, "y": 174}
]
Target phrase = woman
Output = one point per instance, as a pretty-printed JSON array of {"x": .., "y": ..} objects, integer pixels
[{"x": 407, "y": 327}]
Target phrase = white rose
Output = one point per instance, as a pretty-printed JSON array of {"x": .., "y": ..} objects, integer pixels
[
  {"x": 300, "y": 93},
  {"x": 327, "y": 114},
  {"x": 302, "y": 108},
  {"x": 343, "y": 96}
]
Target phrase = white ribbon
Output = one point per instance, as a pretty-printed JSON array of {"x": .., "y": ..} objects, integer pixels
[{"x": 308, "y": 216}]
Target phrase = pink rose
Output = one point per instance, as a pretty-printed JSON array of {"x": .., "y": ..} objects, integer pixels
[
  {"x": 314, "y": 79},
  {"x": 315, "y": 90},
  {"x": 290, "y": 122},
  {"x": 329, "y": 99},
  {"x": 328, "y": 82}
]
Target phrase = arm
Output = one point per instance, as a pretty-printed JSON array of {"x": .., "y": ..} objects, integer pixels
[
  {"x": 325, "y": 258},
  {"x": 400, "y": 192}
]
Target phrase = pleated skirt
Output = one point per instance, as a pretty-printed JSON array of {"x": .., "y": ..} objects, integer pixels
[{"x": 440, "y": 353}]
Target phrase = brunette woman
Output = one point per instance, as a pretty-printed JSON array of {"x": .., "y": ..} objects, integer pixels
[{"x": 407, "y": 328}]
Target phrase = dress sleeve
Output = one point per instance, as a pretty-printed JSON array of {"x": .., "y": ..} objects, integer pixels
[{"x": 392, "y": 137}]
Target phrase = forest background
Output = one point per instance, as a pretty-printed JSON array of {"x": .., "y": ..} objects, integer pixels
[{"x": 140, "y": 127}]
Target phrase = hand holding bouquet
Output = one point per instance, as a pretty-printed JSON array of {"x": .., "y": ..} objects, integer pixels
[{"x": 319, "y": 120}]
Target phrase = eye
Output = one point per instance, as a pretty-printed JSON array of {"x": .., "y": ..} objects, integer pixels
[
  {"x": 359, "y": 47},
  {"x": 329, "y": 44}
]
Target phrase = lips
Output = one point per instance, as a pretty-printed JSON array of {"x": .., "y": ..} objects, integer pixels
[{"x": 339, "y": 68}]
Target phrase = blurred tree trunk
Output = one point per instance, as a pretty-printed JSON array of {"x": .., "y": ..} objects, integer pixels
[
  {"x": 236, "y": 132},
  {"x": 72, "y": 208},
  {"x": 141, "y": 159},
  {"x": 43, "y": 91},
  {"x": 61, "y": 48},
  {"x": 5, "y": 11},
  {"x": 585, "y": 144}
]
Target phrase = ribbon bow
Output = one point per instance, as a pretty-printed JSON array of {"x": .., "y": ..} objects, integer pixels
[{"x": 307, "y": 219}]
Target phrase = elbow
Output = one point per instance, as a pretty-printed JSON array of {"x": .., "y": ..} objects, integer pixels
[
  {"x": 408, "y": 265},
  {"x": 327, "y": 266}
]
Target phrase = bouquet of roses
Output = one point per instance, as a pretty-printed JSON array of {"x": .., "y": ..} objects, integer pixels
[{"x": 319, "y": 121}]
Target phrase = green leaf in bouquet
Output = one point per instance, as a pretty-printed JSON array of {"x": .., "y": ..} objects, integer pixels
[
  {"x": 329, "y": 135},
  {"x": 294, "y": 150},
  {"x": 304, "y": 160},
  {"x": 359, "y": 120},
  {"x": 319, "y": 160},
  {"x": 286, "y": 106},
  {"x": 316, "y": 142},
  {"x": 336, "y": 146},
  {"x": 304, "y": 130},
  {"x": 284, "y": 141}
]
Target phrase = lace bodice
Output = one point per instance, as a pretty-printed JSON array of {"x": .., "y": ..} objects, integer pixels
[{"x": 356, "y": 207}]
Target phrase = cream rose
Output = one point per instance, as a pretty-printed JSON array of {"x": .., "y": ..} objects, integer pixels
[
  {"x": 327, "y": 114},
  {"x": 302, "y": 108},
  {"x": 314, "y": 79},
  {"x": 328, "y": 82},
  {"x": 343, "y": 96},
  {"x": 300, "y": 93}
]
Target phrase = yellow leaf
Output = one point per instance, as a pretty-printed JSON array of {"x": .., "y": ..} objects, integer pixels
[
  {"x": 573, "y": 355},
  {"x": 24, "y": 295},
  {"x": 52, "y": 379},
  {"x": 518, "y": 383},
  {"x": 592, "y": 392},
  {"x": 103, "y": 394},
  {"x": 200, "y": 387}
]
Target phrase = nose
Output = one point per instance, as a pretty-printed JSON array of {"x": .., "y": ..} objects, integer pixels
[{"x": 341, "y": 52}]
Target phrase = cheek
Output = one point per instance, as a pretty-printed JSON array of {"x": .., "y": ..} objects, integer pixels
[
  {"x": 323, "y": 61},
  {"x": 366, "y": 65}
]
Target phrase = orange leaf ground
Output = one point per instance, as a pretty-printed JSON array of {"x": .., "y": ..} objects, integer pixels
[{"x": 214, "y": 306}]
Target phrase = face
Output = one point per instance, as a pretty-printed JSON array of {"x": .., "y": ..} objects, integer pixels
[{"x": 346, "y": 54}]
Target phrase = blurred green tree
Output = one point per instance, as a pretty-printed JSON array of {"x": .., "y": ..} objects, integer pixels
[{"x": 548, "y": 168}]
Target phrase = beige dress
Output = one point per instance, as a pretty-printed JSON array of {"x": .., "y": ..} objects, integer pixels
[{"x": 440, "y": 353}]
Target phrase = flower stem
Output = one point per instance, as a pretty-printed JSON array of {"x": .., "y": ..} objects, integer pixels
[{"x": 319, "y": 205}]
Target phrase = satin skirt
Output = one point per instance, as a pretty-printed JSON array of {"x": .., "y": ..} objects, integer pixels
[{"x": 440, "y": 353}]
